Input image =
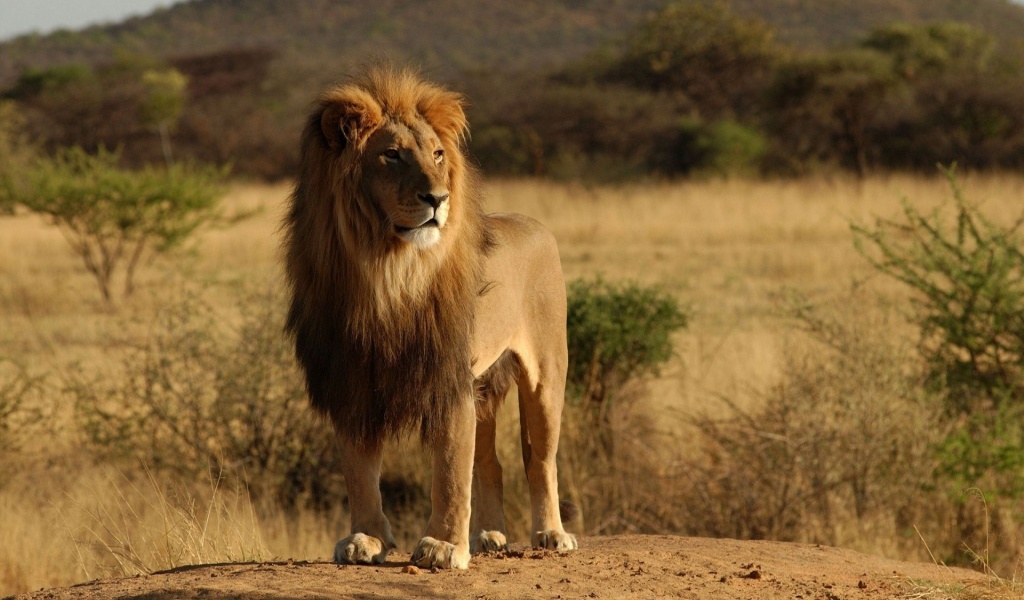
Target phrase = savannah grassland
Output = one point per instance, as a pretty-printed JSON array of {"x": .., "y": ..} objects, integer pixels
[{"x": 738, "y": 254}]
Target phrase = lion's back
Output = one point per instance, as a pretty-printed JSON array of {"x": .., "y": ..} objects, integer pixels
[{"x": 523, "y": 235}]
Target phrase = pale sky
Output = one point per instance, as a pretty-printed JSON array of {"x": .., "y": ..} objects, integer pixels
[{"x": 44, "y": 16}]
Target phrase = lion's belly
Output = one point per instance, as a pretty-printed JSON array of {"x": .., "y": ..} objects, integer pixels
[{"x": 482, "y": 362}]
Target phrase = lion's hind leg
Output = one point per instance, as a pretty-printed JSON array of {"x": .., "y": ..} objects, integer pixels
[
  {"x": 489, "y": 532},
  {"x": 488, "y": 526},
  {"x": 541, "y": 396}
]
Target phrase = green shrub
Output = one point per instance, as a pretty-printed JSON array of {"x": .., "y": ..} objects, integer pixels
[
  {"x": 985, "y": 450},
  {"x": 617, "y": 333},
  {"x": 113, "y": 217},
  {"x": 967, "y": 275},
  {"x": 724, "y": 148}
]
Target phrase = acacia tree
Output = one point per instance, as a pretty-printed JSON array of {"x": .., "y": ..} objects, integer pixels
[
  {"x": 932, "y": 49},
  {"x": 821, "y": 104},
  {"x": 716, "y": 58},
  {"x": 112, "y": 217},
  {"x": 15, "y": 149},
  {"x": 162, "y": 107}
]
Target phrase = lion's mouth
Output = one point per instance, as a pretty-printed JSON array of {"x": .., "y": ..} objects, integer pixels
[{"x": 427, "y": 223}]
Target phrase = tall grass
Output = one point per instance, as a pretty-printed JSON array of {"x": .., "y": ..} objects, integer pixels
[
  {"x": 825, "y": 415},
  {"x": 134, "y": 527}
]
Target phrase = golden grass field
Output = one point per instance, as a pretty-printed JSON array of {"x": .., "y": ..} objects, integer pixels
[{"x": 731, "y": 250}]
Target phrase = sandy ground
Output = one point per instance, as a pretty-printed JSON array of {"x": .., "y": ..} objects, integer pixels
[{"x": 604, "y": 567}]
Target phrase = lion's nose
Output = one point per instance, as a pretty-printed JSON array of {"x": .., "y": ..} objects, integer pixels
[{"x": 434, "y": 199}]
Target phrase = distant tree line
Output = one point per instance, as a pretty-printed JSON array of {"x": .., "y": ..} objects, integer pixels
[
  {"x": 210, "y": 108},
  {"x": 695, "y": 89}
]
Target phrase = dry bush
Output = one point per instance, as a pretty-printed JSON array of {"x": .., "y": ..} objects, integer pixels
[
  {"x": 843, "y": 444},
  {"x": 23, "y": 413},
  {"x": 209, "y": 399},
  {"x": 205, "y": 397},
  {"x": 622, "y": 491}
]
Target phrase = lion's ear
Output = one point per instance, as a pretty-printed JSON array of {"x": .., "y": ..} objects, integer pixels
[{"x": 348, "y": 118}]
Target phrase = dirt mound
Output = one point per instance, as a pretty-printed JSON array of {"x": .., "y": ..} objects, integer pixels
[{"x": 603, "y": 567}]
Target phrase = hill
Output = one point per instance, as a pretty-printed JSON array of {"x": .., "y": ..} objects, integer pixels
[
  {"x": 604, "y": 567},
  {"x": 253, "y": 66},
  {"x": 319, "y": 39},
  {"x": 322, "y": 38},
  {"x": 827, "y": 23}
]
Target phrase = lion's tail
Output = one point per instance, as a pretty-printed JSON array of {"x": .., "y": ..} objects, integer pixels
[{"x": 567, "y": 511}]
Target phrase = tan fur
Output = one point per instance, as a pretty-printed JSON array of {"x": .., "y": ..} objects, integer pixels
[{"x": 408, "y": 303}]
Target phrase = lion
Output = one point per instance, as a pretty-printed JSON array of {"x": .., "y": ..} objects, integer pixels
[{"x": 413, "y": 310}]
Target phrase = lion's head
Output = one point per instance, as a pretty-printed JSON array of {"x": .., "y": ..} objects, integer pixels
[
  {"x": 395, "y": 143},
  {"x": 384, "y": 245}
]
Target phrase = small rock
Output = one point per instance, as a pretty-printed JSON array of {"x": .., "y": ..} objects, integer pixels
[{"x": 411, "y": 570}]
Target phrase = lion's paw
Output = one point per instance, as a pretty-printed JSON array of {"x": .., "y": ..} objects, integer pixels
[
  {"x": 554, "y": 539},
  {"x": 430, "y": 553},
  {"x": 360, "y": 548},
  {"x": 488, "y": 541}
]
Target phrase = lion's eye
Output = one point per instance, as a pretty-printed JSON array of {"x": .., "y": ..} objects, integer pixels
[
  {"x": 438, "y": 156},
  {"x": 391, "y": 154}
]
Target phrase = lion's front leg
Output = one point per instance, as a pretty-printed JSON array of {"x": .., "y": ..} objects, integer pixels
[
  {"x": 445, "y": 543},
  {"x": 371, "y": 539}
]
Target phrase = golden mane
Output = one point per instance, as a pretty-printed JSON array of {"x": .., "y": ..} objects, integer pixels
[{"x": 383, "y": 330}]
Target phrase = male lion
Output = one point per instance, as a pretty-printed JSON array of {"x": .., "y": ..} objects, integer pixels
[{"x": 413, "y": 310}]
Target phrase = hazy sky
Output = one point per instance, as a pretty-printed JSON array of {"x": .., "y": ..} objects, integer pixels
[{"x": 25, "y": 16}]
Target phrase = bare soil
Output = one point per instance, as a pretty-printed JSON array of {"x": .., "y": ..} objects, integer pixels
[{"x": 630, "y": 566}]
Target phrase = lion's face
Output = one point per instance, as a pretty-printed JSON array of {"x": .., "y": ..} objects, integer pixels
[
  {"x": 405, "y": 176},
  {"x": 403, "y": 137}
]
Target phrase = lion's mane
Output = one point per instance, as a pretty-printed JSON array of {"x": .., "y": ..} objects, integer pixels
[{"x": 382, "y": 329}]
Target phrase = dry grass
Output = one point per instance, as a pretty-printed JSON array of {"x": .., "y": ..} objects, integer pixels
[
  {"x": 729, "y": 249},
  {"x": 135, "y": 528}
]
